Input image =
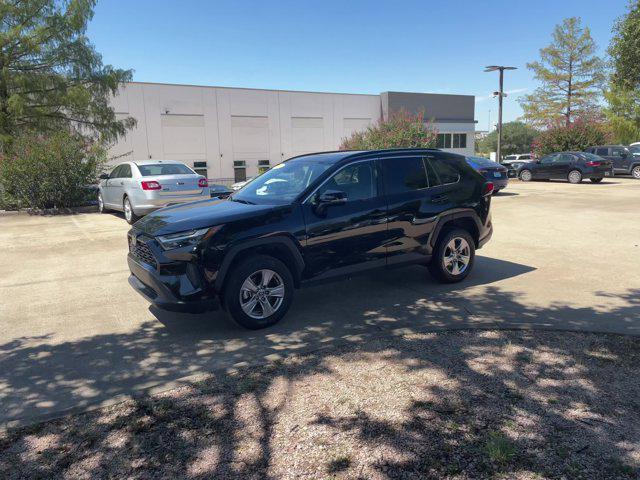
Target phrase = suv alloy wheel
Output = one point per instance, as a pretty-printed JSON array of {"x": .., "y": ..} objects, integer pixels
[
  {"x": 635, "y": 172},
  {"x": 259, "y": 292},
  {"x": 453, "y": 257}
]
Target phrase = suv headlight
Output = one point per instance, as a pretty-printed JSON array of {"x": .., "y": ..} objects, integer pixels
[{"x": 185, "y": 239}]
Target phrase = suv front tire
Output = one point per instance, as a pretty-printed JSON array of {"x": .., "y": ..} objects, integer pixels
[
  {"x": 259, "y": 292},
  {"x": 453, "y": 257}
]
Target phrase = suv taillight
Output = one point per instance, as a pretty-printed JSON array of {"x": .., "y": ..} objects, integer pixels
[
  {"x": 151, "y": 185},
  {"x": 592, "y": 163},
  {"x": 488, "y": 189},
  {"x": 202, "y": 183}
]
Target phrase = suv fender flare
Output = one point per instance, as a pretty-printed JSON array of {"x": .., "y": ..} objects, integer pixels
[
  {"x": 465, "y": 213},
  {"x": 233, "y": 252}
]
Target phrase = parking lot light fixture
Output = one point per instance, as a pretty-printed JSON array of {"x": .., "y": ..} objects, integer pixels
[{"x": 500, "y": 94}]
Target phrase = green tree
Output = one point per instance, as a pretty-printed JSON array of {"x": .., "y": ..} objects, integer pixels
[
  {"x": 576, "y": 136},
  {"x": 401, "y": 130},
  {"x": 517, "y": 137},
  {"x": 571, "y": 76},
  {"x": 51, "y": 77},
  {"x": 623, "y": 93},
  {"x": 624, "y": 49},
  {"x": 46, "y": 171}
]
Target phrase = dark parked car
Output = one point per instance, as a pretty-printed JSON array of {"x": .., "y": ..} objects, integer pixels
[
  {"x": 312, "y": 218},
  {"x": 571, "y": 166},
  {"x": 492, "y": 171},
  {"x": 624, "y": 159},
  {"x": 219, "y": 191}
]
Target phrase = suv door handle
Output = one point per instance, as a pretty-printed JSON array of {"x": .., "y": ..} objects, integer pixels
[
  {"x": 122, "y": 183},
  {"x": 442, "y": 198}
]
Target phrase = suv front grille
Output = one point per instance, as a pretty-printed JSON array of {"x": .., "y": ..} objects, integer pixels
[{"x": 143, "y": 253}]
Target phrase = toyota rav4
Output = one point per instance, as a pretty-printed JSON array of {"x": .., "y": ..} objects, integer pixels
[{"x": 312, "y": 218}]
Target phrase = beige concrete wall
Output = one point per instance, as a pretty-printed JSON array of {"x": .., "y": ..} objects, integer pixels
[{"x": 221, "y": 126}]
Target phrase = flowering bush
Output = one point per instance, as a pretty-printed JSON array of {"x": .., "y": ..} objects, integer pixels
[
  {"x": 576, "y": 136},
  {"x": 401, "y": 130},
  {"x": 49, "y": 171}
]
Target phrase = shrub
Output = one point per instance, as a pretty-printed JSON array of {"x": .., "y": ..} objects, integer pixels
[
  {"x": 401, "y": 130},
  {"x": 49, "y": 172},
  {"x": 577, "y": 136}
]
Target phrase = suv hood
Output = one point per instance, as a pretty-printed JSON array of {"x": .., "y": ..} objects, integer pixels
[{"x": 194, "y": 215}]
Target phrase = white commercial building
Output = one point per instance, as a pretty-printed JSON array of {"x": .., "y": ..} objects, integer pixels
[{"x": 229, "y": 133}]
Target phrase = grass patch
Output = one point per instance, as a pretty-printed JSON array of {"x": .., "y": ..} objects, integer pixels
[{"x": 499, "y": 448}]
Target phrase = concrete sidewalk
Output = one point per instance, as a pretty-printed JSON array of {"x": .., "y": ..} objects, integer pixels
[{"x": 74, "y": 334}]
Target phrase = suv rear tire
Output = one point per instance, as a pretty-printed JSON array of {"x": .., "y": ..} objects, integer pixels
[
  {"x": 258, "y": 292},
  {"x": 453, "y": 257},
  {"x": 596, "y": 180}
]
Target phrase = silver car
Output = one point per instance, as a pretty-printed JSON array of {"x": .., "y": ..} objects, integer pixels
[{"x": 138, "y": 188}]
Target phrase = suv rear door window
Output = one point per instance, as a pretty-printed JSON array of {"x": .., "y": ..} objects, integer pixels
[
  {"x": 404, "y": 174},
  {"x": 441, "y": 172},
  {"x": 602, "y": 151}
]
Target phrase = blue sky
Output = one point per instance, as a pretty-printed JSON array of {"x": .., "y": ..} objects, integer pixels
[{"x": 342, "y": 46}]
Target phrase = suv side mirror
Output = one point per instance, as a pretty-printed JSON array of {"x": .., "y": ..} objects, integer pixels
[
  {"x": 104, "y": 176},
  {"x": 329, "y": 198},
  {"x": 624, "y": 154}
]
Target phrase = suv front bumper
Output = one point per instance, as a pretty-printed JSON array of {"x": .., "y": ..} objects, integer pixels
[{"x": 155, "y": 289}]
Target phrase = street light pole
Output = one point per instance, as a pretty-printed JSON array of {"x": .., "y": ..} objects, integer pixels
[
  {"x": 500, "y": 115},
  {"x": 500, "y": 94}
]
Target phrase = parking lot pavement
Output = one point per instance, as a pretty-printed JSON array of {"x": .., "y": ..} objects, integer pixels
[{"x": 74, "y": 334}]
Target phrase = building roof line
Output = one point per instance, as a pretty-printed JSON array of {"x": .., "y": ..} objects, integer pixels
[{"x": 249, "y": 88}]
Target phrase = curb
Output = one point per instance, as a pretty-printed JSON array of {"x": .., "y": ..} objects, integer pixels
[{"x": 50, "y": 211}]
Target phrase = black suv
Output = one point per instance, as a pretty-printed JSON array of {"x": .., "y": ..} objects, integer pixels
[
  {"x": 626, "y": 161},
  {"x": 312, "y": 218}
]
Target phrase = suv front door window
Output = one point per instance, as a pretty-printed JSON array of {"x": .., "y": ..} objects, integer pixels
[{"x": 349, "y": 233}]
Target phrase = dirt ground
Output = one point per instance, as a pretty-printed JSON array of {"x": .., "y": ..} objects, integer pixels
[{"x": 459, "y": 405}]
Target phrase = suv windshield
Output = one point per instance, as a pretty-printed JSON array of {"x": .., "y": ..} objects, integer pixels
[
  {"x": 156, "y": 169},
  {"x": 283, "y": 183}
]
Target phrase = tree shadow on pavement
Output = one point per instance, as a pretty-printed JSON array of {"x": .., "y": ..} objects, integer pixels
[{"x": 480, "y": 403}]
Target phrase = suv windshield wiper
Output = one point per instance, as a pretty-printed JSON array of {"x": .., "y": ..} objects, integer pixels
[{"x": 239, "y": 200}]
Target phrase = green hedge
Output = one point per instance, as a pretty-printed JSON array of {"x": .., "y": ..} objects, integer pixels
[{"x": 49, "y": 172}]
